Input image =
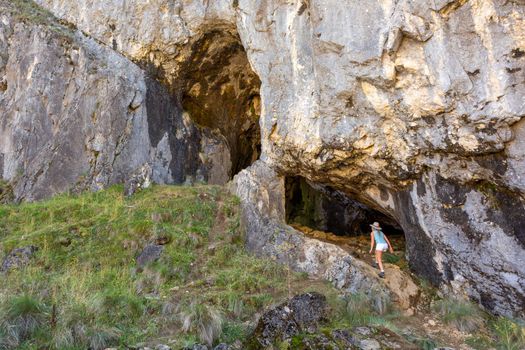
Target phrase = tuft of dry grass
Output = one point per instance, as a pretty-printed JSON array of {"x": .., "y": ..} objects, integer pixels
[
  {"x": 204, "y": 320},
  {"x": 463, "y": 315},
  {"x": 510, "y": 334}
]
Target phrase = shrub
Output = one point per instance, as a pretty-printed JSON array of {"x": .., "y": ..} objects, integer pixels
[
  {"x": 232, "y": 331},
  {"x": 463, "y": 315},
  {"x": 511, "y": 335},
  {"x": 425, "y": 343}
]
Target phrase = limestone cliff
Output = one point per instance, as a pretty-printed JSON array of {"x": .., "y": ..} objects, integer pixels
[
  {"x": 76, "y": 114},
  {"x": 413, "y": 108}
]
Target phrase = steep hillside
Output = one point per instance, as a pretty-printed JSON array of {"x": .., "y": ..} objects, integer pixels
[{"x": 84, "y": 286}]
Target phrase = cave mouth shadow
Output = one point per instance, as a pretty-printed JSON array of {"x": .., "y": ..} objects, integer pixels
[
  {"x": 220, "y": 91},
  {"x": 322, "y": 208}
]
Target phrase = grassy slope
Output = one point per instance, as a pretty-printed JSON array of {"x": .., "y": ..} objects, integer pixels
[
  {"x": 82, "y": 289},
  {"x": 84, "y": 280}
]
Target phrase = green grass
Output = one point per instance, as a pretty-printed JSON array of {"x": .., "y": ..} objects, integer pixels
[
  {"x": 82, "y": 288},
  {"x": 28, "y": 11},
  {"x": 354, "y": 310},
  {"x": 510, "y": 334},
  {"x": 463, "y": 315}
]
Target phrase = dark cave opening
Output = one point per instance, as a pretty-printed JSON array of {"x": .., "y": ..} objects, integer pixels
[
  {"x": 322, "y": 208},
  {"x": 220, "y": 91}
]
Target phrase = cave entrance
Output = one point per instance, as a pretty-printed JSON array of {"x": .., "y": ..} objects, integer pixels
[
  {"x": 220, "y": 91},
  {"x": 324, "y": 213}
]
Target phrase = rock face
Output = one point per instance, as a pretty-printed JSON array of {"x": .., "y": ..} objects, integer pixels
[
  {"x": 261, "y": 192},
  {"x": 413, "y": 108},
  {"x": 76, "y": 114}
]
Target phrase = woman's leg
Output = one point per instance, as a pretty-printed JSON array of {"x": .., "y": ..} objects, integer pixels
[{"x": 379, "y": 260}]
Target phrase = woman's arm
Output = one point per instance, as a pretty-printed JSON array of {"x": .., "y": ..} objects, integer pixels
[
  {"x": 389, "y": 245},
  {"x": 371, "y": 242}
]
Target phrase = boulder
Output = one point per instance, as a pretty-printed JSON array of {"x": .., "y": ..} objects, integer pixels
[
  {"x": 17, "y": 258},
  {"x": 197, "y": 347},
  {"x": 149, "y": 254},
  {"x": 162, "y": 347},
  {"x": 301, "y": 314},
  {"x": 222, "y": 346},
  {"x": 138, "y": 180},
  {"x": 369, "y": 344}
]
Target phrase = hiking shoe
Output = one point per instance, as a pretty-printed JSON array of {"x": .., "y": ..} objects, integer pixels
[
  {"x": 382, "y": 274},
  {"x": 376, "y": 265}
]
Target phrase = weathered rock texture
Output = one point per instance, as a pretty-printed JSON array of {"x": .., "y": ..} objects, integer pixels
[
  {"x": 18, "y": 258},
  {"x": 414, "y": 108},
  {"x": 77, "y": 114},
  {"x": 262, "y": 192},
  {"x": 301, "y": 314}
]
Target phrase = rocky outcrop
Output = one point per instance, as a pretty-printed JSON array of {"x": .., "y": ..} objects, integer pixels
[
  {"x": 261, "y": 192},
  {"x": 76, "y": 114},
  {"x": 297, "y": 323},
  {"x": 18, "y": 258},
  {"x": 301, "y": 314},
  {"x": 413, "y": 108}
]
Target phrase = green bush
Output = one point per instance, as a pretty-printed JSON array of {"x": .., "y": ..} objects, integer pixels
[{"x": 510, "y": 335}]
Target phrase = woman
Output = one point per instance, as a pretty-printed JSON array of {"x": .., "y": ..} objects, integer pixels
[{"x": 382, "y": 243}]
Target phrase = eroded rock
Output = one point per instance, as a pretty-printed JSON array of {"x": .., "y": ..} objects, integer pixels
[
  {"x": 301, "y": 314},
  {"x": 149, "y": 254},
  {"x": 138, "y": 180},
  {"x": 17, "y": 258}
]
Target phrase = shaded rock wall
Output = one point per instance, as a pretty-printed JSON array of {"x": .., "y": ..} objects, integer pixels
[
  {"x": 414, "y": 108},
  {"x": 323, "y": 208},
  {"x": 76, "y": 115},
  {"x": 470, "y": 236},
  {"x": 220, "y": 91}
]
